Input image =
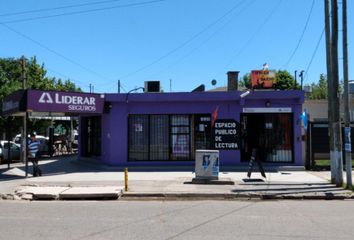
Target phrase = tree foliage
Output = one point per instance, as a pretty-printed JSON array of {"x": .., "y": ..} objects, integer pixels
[
  {"x": 36, "y": 78},
  {"x": 319, "y": 90},
  {"x": 284, "y": 80},
  {"x": 246, "y": 81}
]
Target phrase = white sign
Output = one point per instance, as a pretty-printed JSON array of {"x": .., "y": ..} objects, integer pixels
[
  {"x": 63, "y": 99},
  {"x": 267, "y": 110}
]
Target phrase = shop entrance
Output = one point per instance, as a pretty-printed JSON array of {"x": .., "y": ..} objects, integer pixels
[
  {"x": 91, "y": 136},
  {"x": 270, "y": 133}
]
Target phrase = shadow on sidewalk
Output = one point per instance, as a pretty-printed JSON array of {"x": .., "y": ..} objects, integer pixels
[
  {"x": 58, "y": 165},
  {"x": 291, "y": 188}
]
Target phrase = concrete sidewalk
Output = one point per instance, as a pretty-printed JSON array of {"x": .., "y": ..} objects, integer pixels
[{"x": 66, "y": 178}]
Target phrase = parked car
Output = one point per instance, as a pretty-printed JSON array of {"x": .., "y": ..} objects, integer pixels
[{"x": 15, "y": 151}]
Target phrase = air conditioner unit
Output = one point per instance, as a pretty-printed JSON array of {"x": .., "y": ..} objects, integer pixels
[{"x": 152, "y": 86}]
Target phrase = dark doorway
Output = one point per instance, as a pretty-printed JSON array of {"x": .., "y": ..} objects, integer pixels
[
  {"x": 91, "y": 136},
  {"x": 270, "y": 133}
]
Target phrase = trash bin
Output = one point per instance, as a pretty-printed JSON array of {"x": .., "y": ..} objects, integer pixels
[{"x": 207, "y": 164}]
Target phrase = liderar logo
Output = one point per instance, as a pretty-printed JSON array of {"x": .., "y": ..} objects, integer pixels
[{"x": 45, "y": 98}]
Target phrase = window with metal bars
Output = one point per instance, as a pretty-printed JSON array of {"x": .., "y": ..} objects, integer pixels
[{"x": 167, "y": 137}]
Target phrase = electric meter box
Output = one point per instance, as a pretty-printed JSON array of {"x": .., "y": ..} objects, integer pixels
[{"x": 207, "y": 164}]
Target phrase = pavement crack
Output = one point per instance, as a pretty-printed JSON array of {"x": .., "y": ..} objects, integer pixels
[
  {"x": 210, "y": 220},
  {"x": 135, "y": 222}
]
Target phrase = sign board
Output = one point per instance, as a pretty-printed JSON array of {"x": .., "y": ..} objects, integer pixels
[
  {"x": 347, "y": 140},
  {"x": 254, "y": 159},
  {"x": 66, "y": 102},
  {"x": 207, "y": 164},
  {"x": 14, "y": 103},
  {"x": 226, "y": 134},
  {"x": 267, "y": 110},
  {"x": 261, "y": 79}
]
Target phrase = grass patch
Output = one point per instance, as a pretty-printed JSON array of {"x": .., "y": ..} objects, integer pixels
[{"x": 326, "y": 162}]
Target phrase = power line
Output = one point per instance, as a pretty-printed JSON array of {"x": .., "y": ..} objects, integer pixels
[
  {"x": 83, "y": 11},
  {"x": 313, "y": 54},
  {"x": 56, "y": 8},
  {"x": 65, "y": 76},
  {"x": 53, "y": 51},
  {"x": 256, "y": 33},
  {"x": 183, "y": 44},
  {"x": 206, "y": 40},
  {"x": 302, "y": 35}
]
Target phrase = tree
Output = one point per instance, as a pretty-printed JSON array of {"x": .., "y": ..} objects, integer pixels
[
  {"x": 284, "y": 80},
  {"x": 10, "y": 81},
  {"x": 319, "y": 90},
  {"x": 246, "y": 81}
]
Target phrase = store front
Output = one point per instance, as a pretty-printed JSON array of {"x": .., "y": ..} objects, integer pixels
[
  {"x": 155, "y": 129},
  {"x": 37, "y": 104}
]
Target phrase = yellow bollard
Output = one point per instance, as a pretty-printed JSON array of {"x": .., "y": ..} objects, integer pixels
[{"x": 126, "y": 179}]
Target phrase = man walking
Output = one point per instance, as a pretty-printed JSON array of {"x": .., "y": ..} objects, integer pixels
[{"x": 33, "y": 148}]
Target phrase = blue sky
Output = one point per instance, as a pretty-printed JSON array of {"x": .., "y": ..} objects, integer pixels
[{"x": 185, "y": 42}]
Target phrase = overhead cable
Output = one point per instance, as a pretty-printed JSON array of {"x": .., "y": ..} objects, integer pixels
[
  {"x": 82, "y": 11},
  {"x": 56, "y": 8},
  {"x": 314, "y": 53},
  {"x": 301, "y": 36},
  {"x": 183, "y": 44},
  {"x": 53, "y": 51}
]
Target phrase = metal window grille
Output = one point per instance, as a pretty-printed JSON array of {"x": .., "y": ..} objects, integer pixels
[
  {"x": 138, "y": 137},
  {"x": 159, "y": 137},
  {"x": 180, "y": 137}
]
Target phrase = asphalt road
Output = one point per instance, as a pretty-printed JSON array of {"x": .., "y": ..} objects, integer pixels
[{"x": 177, "y": 220}]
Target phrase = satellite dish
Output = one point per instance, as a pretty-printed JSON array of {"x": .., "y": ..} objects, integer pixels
[{"x": 213, "y": 82}]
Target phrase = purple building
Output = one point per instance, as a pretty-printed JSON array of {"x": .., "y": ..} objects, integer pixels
[{"x": 165, "y": 129}]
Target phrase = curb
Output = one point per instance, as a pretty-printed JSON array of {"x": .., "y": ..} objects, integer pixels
[
  {"x": 228, "y": 196},
  {"x": 144, "y": 196}
]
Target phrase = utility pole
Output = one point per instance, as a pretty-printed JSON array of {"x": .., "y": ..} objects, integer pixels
[
  {"x": 329, "y": 86},
  {"x": 25, "y": 118},
  {"x": 336, "y": 124},
  {"x": 118, "y": 86},
  {"x": 348, "y": 150},
  {"x": 90, "y": 88}
]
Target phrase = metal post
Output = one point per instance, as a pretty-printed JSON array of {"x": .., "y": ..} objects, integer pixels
[
  {"x": 348, "y": 154},
  {"x": 8, "y": 130},
  {"x": 118, "y": 86},
  {"x": 126, "y": 179},
  {"x": 24, "y": 141},
  {"x": 25, "y": 118},
  {"x": 301, "y": 75},
  {"x": 295, "y": 79}
]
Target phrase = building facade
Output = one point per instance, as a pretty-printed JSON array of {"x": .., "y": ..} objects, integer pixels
[{"x": 165, "y": 129}]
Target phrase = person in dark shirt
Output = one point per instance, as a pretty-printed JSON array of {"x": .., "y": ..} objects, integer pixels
[{"x": 33, "y": 150}]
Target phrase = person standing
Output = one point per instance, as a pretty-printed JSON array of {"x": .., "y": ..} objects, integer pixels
[{"x": 33, "y": 154}]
